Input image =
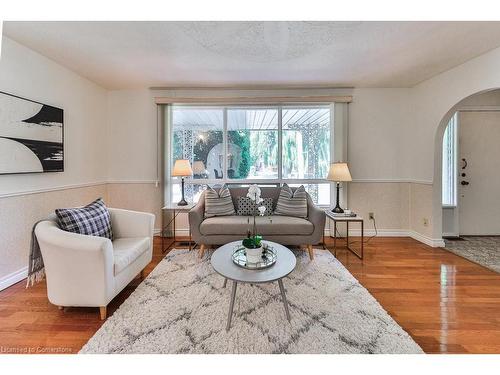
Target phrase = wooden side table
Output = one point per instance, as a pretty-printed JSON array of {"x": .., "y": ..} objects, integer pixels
[
  {"x": 176, "y": 210},
  {"x": 346, "y": 219}
]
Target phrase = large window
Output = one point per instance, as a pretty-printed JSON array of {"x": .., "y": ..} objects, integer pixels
[
  {"x": 450, "y": 163},
  {"x": 252, "y": 143},
  {"x": 240, "y": 145}
]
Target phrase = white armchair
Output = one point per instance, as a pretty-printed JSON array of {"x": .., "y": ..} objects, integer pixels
[{"x": 90, "y": 271}]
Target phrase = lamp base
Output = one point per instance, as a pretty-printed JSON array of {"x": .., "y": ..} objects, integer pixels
[
  {"x": 182, "y": 203},
  {"x": 338, "y": 210}
]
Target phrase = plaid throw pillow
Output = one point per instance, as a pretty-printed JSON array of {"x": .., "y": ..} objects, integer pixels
[
  {"x": 292, "y": 203},
  {"x": 92, "y": 220},
  {"x": 247, "y": 207}
]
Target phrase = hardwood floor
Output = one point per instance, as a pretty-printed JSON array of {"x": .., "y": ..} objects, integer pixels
[{"x": 446, "y": 303}]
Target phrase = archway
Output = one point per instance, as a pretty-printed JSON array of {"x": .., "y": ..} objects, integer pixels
[{"x": 438, "y": 180}]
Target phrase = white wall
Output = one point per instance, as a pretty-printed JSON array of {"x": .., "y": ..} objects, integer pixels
[
  {"x": 379, "y": 123},
  {"x": 24, "y": 199},
  {"x": 132, "y": 135},
  {"x": 26, "y": 73}
]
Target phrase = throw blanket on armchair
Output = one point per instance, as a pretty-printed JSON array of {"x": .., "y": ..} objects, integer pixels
[{"x": 36, "y": 269}]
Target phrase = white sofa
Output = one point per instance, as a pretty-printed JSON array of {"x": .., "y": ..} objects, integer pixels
[{"x": 90, "y": 271}]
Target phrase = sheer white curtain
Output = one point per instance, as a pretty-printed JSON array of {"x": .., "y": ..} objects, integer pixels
[{"x": 450, "y": 163}]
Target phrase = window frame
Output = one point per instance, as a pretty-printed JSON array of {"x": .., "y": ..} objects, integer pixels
[{"x": 247, "y": 181}]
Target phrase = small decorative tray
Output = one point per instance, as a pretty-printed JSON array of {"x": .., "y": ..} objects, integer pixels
[{"x": 268, "y": 258}]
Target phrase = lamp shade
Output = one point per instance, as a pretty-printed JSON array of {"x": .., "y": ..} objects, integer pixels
[
  {"x": 182, "y": 168},
  {"x": 198, "y": 167},
  {"x": 339, "y": 172}
]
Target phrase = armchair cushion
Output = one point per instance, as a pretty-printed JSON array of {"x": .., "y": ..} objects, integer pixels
[
  {"x": 127, "y": 250},
  {"x": 92, "y": 220}
]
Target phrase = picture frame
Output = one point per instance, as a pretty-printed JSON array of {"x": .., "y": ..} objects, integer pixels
[{"x": 31, "y": 136}]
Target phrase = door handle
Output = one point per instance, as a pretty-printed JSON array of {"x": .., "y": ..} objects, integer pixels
[{"x": 464, "y": 183}]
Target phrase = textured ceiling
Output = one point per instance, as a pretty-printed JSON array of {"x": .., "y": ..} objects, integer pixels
[{"x": 344, "y": 54}]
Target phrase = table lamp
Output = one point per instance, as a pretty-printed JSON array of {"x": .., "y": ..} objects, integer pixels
[
  {"x": 182, "y": 168},
  {"x": 339, "y": 172},
  {"x": 199, "y": 167}
]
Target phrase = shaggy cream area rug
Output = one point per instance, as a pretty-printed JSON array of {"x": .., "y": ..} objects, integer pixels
[{"x": 181, "y": 307}]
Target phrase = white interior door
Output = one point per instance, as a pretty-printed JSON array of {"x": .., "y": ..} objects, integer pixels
[{"x": 479, "y": 181}]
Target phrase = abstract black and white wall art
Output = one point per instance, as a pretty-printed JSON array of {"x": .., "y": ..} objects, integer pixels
[{"x": 31, "y": 136}]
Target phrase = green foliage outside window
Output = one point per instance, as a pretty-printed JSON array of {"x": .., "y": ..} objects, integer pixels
[{"x": 241, "y": 139}]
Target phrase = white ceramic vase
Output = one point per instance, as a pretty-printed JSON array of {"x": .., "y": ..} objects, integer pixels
[{"x": 254, "y": 255}]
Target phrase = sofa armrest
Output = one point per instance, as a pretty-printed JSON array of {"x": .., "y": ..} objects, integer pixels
[
  {"x": 318, "y": 217},
  {"x": 126, "y": 223},
  {"x": 79, "y": 268},
  {"x": 196, "y": 217}
]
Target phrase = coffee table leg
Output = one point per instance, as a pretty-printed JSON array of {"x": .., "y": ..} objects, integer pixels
[
  {"x": 283, "y": 297},
  {"x": 225, "y": 283},
  {"x": 231, "y": 305}
]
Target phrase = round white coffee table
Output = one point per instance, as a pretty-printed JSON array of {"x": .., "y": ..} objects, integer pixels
[{"x": 223, "y": 264}]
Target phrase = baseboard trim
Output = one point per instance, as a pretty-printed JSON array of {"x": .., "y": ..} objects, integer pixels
[
  {"x": 433, "y": 242},
  {"x": 184, "y": 232},
  {"x": 380, "y": 232},
  {"x": 13, "y": 278}
]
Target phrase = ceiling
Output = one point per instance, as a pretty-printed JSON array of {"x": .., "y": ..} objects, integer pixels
[{"x": 119, "y": 55}]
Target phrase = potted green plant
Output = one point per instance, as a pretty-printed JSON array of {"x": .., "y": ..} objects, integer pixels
[{"x": 253, "y": 242}]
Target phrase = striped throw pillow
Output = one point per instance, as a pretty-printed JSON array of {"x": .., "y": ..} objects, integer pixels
[
  {"x": 218, "y": 203},
  {"x": 292, "y": 203}
]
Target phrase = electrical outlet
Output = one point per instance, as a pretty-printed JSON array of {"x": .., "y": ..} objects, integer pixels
[
  {"x": 371, "y": 215},
  {"x": 425, "y": 221}
]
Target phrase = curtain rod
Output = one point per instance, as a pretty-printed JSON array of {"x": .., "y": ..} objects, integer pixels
[{"x": 256, "y": 100}]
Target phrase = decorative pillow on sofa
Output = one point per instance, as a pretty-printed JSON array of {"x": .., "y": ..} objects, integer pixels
[
  {"x": 218, "y": 203},
  {"x": 92, "y": 220},
  {"x": 247, "y": 207},
  {"x": 292, "y": 203}
]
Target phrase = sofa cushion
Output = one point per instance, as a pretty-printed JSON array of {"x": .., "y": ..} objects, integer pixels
[
  {"x": 247, "y": 207},
  {"x": 127, "y": 250},
  {"x": 292, "y": 203},
  {"x": 91, "y": 220},
  {"x": 273, "y": 225},
  {"x": 218, "y": 203}
]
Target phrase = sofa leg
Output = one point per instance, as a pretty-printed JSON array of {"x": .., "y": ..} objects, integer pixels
[
  {"x": 311, "y": 251},
  {"x": 103, "y": 312},
  {"x": 143, "y": 273},
  {"x": 202, "y": 250}
]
